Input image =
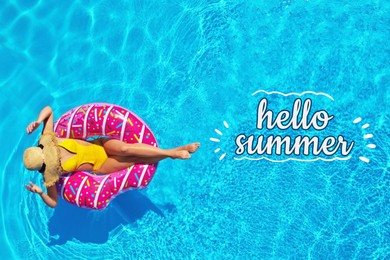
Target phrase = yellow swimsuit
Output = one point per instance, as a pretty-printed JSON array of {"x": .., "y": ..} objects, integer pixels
[{"x": 93, "y": 154}]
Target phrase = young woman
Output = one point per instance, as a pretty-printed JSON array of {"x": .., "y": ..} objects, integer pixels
[{"x": 57, "y": 156}]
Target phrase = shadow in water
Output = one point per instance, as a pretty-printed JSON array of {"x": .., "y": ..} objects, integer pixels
[{"x": 93, "y": 226}]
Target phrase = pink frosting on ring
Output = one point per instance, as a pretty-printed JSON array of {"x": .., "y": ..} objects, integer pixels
[{"x": 87, "y": 190}]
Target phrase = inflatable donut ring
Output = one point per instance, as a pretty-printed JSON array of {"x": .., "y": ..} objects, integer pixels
[{"x": 87, "y": 190}]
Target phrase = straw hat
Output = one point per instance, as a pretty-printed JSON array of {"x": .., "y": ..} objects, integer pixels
[{"x": 45, "y": 158}]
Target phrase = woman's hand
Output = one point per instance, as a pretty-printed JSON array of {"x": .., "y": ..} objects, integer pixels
[
  {"x": 34, "y": 188},
  {"x": 51, "y": 198},
  {"x": 32, "y": 127}
]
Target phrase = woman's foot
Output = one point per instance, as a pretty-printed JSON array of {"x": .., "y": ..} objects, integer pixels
[
  {"x": 191, "y": 148},
  {"x": 181, "y": 154}
]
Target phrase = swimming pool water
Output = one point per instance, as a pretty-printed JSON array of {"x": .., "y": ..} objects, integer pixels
[{"x": 186, "y": 67}]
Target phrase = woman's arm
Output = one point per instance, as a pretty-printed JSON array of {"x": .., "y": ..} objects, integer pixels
[
  {"x": 45, "y": 116},
  {"x": 51, "y": 198}
]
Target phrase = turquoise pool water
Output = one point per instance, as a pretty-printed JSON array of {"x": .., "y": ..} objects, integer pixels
[{"x": 186, "y": 67}]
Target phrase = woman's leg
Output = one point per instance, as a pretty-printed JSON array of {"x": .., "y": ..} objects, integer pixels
[
  {"x": 116, "y": 163},
  {"x": 117, "y": 148}
]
